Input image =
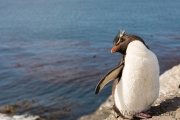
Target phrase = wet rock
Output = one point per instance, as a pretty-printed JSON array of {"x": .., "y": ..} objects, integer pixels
[{"x": 9, "y": 109}]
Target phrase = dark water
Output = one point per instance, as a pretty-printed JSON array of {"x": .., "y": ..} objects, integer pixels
[{"x": 53, "y": 53}]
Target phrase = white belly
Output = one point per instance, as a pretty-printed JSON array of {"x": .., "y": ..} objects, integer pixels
[{"x": 139, "y": 84}]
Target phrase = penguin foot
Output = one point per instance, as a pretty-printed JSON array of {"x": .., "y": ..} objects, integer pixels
[{"x": 143, "y": 115}]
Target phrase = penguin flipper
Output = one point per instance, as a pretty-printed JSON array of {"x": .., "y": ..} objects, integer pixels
[{"x": 111, "y": 75}]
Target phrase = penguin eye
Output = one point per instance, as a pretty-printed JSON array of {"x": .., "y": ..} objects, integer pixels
[{"x": 120, "y": 40}]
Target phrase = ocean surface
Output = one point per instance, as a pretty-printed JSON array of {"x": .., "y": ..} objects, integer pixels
[{"x": 53, "y": 53}]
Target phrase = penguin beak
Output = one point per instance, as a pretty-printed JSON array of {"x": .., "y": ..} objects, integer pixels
[{"x": 114, "y": 49}]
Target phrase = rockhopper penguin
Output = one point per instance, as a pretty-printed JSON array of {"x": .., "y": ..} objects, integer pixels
[{"x": 136, "y": 78}]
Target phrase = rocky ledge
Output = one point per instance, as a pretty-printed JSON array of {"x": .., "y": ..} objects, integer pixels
[{"x": 166, "y": 107}]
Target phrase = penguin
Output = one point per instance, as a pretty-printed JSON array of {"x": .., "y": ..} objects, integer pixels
[{"x": 136, "y": 77}]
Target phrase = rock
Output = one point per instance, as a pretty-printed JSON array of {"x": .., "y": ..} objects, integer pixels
[
  {"x": 166, "y": 107},
  {"x": 170, "y": 80},
  {"x": 102, "y": 112}
]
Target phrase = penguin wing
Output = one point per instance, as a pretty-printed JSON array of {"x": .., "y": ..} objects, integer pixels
[{"x": 111, "y": 75}]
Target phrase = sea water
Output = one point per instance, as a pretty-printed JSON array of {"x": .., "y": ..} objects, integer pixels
[{"x": 53, "y": 53}]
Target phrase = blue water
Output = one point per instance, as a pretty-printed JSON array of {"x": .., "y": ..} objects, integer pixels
[{"x": 55, "y": 52}]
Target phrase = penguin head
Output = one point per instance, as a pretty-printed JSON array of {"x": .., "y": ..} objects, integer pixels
[{"x": 121, "y": 42}]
